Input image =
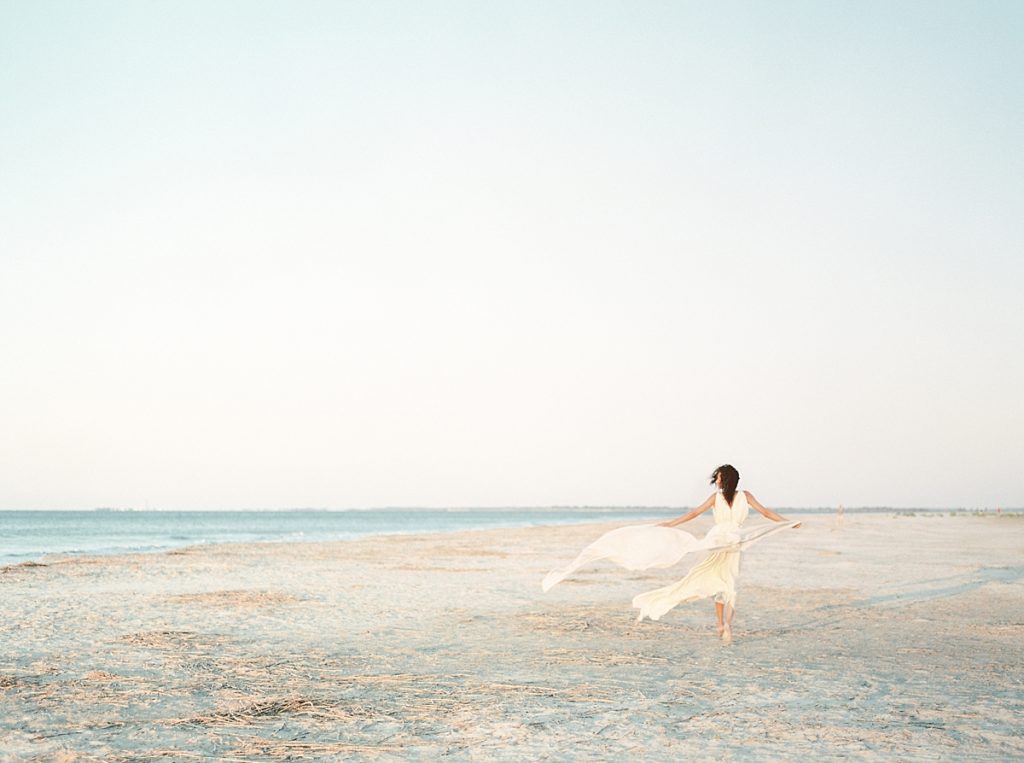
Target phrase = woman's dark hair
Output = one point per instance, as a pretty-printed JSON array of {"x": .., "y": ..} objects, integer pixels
[{"x": 730, "y": 479}]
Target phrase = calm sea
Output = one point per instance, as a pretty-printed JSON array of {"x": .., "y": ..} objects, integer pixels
[{"x": 30, "y": 535}]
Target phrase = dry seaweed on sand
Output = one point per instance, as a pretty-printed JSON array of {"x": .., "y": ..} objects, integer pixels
[
  {"x": 172, "y": 639},
  {"x": 263, "y": 709},
  {"x": 276, "y": 749},
  {"x": 237, "y": 598}
]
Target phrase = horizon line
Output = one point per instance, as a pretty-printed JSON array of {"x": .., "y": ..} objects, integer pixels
[{"x": 535, "y": 507}]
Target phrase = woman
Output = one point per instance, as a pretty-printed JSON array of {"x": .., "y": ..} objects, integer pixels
[
  {"x": 645, "y": 546},
  {"x": 716, "y": 575}
]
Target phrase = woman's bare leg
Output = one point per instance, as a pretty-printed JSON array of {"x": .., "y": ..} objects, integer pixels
[{"x": 719, "y": 610}]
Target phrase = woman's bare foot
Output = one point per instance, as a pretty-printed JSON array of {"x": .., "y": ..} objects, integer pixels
[
  {"x": 721, "y": 629},
  {"x": 726, "y": 633}
]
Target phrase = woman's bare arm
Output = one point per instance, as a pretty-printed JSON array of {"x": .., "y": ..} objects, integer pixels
[
  {"x": 692, "y": 515},
  {"x": 766, "y": 512}
]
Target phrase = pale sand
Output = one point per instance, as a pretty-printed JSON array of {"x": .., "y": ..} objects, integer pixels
[{"x": 894, "y": 638}]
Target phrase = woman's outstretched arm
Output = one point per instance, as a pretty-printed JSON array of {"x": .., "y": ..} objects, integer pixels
[
  {"x": 693, "y": 514},
  {"x": 766, "y": 512}
]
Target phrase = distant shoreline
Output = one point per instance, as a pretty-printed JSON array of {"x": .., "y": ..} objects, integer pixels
[
  {"x": 610, "y": 509},
  {"x": 34, "y": 536}
]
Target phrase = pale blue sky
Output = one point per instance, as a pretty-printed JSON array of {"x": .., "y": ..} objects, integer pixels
[{"x": 368, "y": 254}]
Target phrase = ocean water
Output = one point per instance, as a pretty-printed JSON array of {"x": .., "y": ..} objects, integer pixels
[{"x": 31, "y": 535}]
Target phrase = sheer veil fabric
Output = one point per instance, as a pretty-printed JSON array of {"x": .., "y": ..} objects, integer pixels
[{"x": 642, "y": 547}]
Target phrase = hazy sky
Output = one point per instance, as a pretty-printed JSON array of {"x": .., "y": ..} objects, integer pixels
[{"x": 348, "y": 254}]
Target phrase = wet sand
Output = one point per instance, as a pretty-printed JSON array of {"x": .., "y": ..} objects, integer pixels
[{"x": 892, "y": 638}]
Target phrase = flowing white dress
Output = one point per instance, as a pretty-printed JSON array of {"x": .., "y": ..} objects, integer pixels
[{"x": 641, "y": 547}]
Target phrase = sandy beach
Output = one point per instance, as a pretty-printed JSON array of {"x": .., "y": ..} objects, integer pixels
[{"x": 892, "y": 638}]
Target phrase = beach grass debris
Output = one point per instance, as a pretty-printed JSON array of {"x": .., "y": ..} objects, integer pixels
[{"x": 237, "y": 598}]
